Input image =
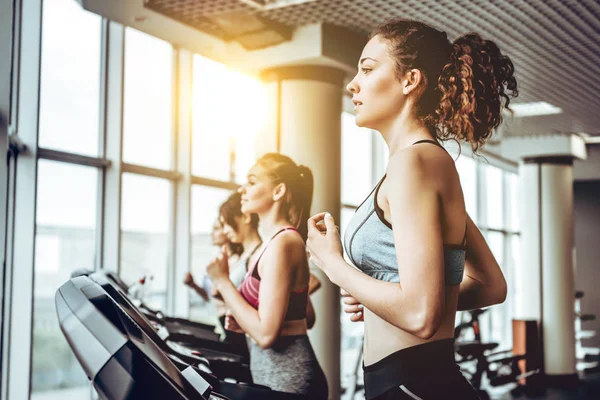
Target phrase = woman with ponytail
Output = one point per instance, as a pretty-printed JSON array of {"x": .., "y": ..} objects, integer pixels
[
  {"x": 272, "y": 301},
  {"x": 418, "y": 256}
]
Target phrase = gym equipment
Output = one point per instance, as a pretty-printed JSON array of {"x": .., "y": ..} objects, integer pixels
[
  {"x": 223, "y": 364},
  {"x": 117, "y": 356},
  {"x": 126, "y": 359},
  {"x": 191, "y": 338},
  {"x": 476, "y": 359},
  {"x": 588, "y": 358}
]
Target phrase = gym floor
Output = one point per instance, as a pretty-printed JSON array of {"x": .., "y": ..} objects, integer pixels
[{"x": 588, "y": 389}]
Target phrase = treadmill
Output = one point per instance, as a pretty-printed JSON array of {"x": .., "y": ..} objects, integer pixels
[
  {"x": 124, "y": 357},
  {"x": 220, "y": 362},
  {"x": 116, "y": 355},
  {"x": 194, "y": 335}
]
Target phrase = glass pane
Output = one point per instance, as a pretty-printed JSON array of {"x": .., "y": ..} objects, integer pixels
[
  {"x": 70, "y": 78},
  {"x": 513, "y": 187},
  {"x": 64, "y": 242},
  {"x": 499, "y": 315},
  {"x": 229, "y": 109},
  {"x": 145, "y": 218},
  {"x": 515, "y": 285},
  {"x": 205, "y": 210},
  {"x": 496, "y": 242},
  {"x": 357, "y": 161},
  {"x": 494, "y": 197},
  {"x": 148, "y": 101},
  {"x": 467, "y": 170}
]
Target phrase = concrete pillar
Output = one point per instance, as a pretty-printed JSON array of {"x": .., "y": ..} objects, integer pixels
[
  {"x": 308, "y": 129},
  {"x": 547, "y": 276}
]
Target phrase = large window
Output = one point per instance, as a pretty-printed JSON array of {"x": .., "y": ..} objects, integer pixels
[
  {"x": 145, "y": 217},
  {"x": 357, "y": 161},
  {"x": 148, "y": 101},
  {"x": 489, "y": 192},
  {"x": 467, "y": 171},
  {"x": 229, "y": 109},
  {"x": 70, "y": 78},
  {"x": 66, "y": 212},
  {"x": 65, "y": 242},
  {"x": 148, "y": 141},
  {"x": 120, "y": 188}
]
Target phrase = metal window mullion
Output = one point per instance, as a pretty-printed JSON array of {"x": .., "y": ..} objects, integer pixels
[
  {"x": 182, "y": 215},
  {"x": 7, "y": 284},
  {"x": 101, "y": 181},
  {"x": 197, "y": 180},
  {"x": 72, "y": 158},
  {"x": 171, "y": 240},
  {"x": 7, "y": 43},
  {"x": 148, "y": 171},
  {"x": 14, "y": 58},
  {"x": 21, "y": 321},
  {"x": 111, "y": 179}
]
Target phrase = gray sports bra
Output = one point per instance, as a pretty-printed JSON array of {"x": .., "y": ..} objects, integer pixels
[{"x": 369, "y": 242}]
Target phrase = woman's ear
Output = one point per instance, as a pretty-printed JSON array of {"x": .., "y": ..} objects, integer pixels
[
  {"x": 246, "y": 218},
  {"x": 413, "y": 80},
  {"x": 279, "y": 191}
]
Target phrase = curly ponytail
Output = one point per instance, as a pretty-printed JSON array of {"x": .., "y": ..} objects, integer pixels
[
  {"x": 472, "y": 86},
  {"x": 465, "y": 81}
]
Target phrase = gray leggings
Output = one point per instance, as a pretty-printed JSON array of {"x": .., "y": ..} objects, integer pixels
[{"x": 290, "y": 366}]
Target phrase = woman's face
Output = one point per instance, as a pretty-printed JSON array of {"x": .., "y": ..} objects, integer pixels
[
  {"x": 257, "y": 192},
  {"x": 218, "y": 237},
  {"x": 233, "y": 235},
  {"x": 377, "y": 92}
]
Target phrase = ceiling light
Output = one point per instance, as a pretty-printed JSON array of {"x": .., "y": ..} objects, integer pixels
[
  {"x": 271, "y": 4},
  {"x": 534, "y": 109}
]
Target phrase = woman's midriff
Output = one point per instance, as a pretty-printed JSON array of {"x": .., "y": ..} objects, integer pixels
[
  {"x": 383, "y": 338},
  {"x": 292, "y": 328}
]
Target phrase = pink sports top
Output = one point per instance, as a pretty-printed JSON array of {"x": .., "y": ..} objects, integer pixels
[{"x": 250, "y": 288}]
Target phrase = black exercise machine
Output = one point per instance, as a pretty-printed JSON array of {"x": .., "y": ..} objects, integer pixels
[
  {"x": 125, "y": 358},
  {"x": 500, "y": 368}
]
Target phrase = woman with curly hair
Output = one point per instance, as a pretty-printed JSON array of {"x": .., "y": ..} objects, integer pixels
[{"x": 419, "y": 258}]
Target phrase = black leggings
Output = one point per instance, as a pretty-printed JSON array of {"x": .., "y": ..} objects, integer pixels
[
  {"x": 423, "y": 372},
  {"x": 459, "y": 388}
]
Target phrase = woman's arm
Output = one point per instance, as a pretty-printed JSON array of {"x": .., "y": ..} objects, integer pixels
[
  {"x": 264, "y": 324},
  {"x": 415, "y": 304},
  {"x": 483, "y": 283},
  {"x": 189, "y": 281}
]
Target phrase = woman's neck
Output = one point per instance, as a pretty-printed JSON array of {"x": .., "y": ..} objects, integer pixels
[
  {"x": 251, "y": 242},
  {"x": 271, "y": 222},
  {"x": 403, "y": 131}
]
